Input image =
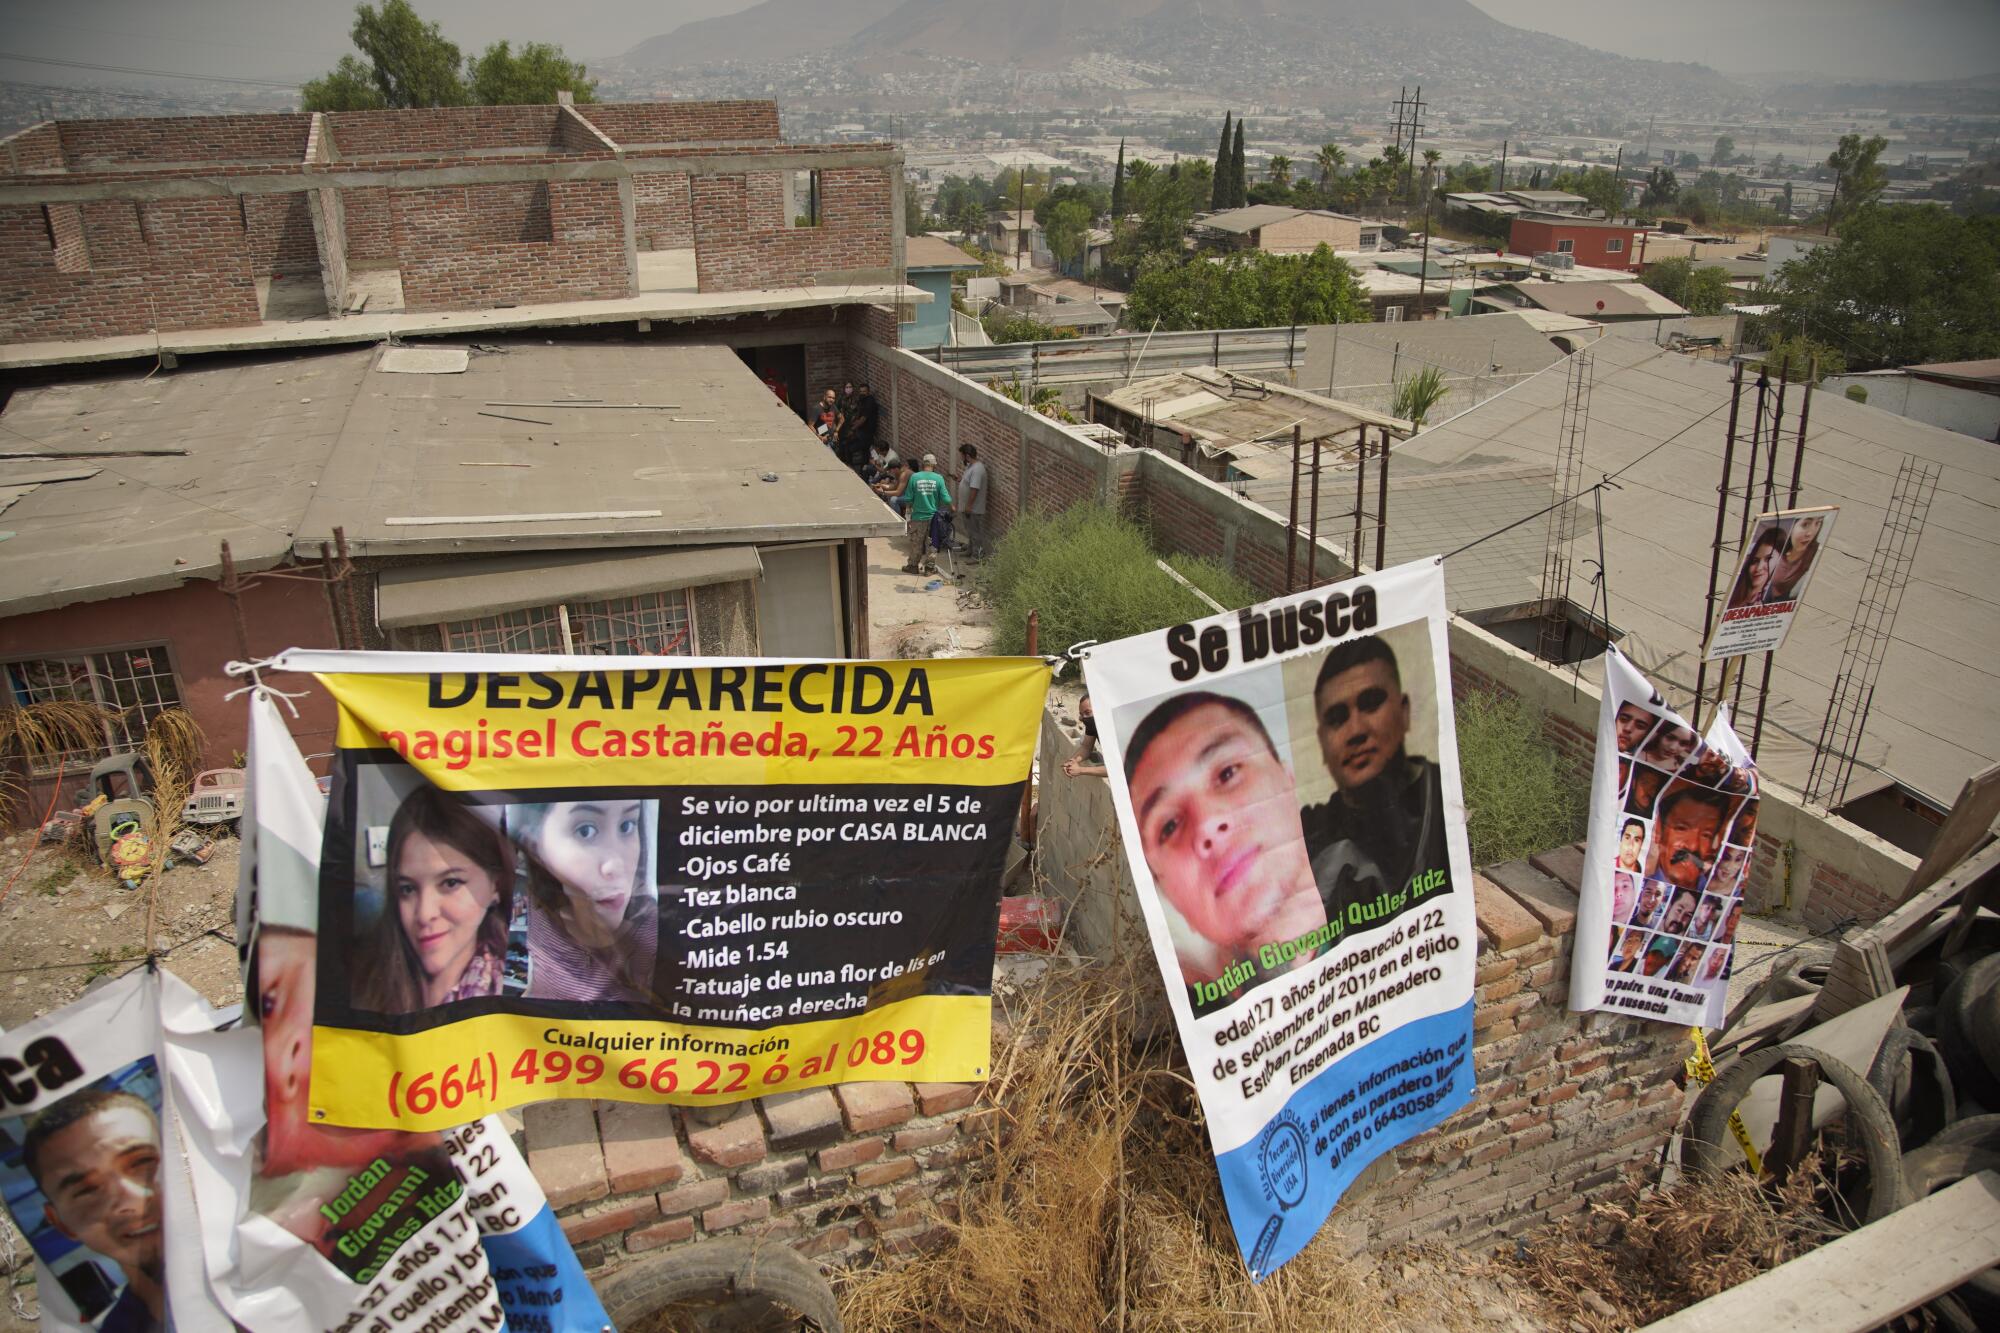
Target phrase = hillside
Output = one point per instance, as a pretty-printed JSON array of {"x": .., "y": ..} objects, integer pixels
[{"x": 1216, "y": 45}]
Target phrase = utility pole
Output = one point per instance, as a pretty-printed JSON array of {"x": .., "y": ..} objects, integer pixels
[{"x": 1503, "y": 166}]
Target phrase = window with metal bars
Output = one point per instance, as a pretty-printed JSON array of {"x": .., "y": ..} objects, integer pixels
[
  {"x": 653, "y": 624},
  {"x": 136, "y": 684}
]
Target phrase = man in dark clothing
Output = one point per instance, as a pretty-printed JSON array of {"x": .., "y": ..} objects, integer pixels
[
  {"x": 864, "y": 416},
  {"x": 1384, "y": 825}
]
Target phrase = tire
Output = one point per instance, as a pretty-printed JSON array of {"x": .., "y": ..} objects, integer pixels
[
  {"x": 737, "y": 1286},
  {"x": 1970, "y": 1001},
  {"x": 1928, "y": 1170},
  {"x": 1710, "y": 1149},
  {"x": 1976, "y": 1131},
  {"x": 1913, "y": 1082}
]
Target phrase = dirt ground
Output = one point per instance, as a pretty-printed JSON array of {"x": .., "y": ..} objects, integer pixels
[
  {"x": 65, "y": 924},
  {"x": 928, "y": 615}
]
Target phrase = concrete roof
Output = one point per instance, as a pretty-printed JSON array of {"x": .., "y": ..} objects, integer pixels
[
  {"x": 1228, "y": 414},
  {"x": 932, "y": 252},
  {"x": 1591, "y": 300},
  {"x": 279, "y": 453},
  {"x": 1365, "y": 354},
  {"x": 1936, "y": 714},
  {"x": 1986, "y": 373},
  {"x": 1248, "y": 219}
]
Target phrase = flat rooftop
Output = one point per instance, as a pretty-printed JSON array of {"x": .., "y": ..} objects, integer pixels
[{"x": 155, "y": 473}]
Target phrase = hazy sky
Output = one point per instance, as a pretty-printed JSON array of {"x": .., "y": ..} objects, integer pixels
[{"x": 294, "y": 39}]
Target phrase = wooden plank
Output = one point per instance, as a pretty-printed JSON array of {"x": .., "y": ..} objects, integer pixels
[
  {"x": 1869, "y": 957},
  {"x": 1867, "y": 1277},
  {"x": 1971, "y": 817}
]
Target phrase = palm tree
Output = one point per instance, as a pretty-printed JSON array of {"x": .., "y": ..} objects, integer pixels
[
  {"x": 1330, "y": 159},
  {"x": 1281, "y": 170},
  {"x": 1431, "y": 158},
  {"x": 1417, "y": 394}
]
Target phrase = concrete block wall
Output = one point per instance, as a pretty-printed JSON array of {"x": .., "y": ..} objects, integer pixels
[
  {"x": 638, "y": 124},
  {"x": 743, "y": 240},
  {"x": 842, "y": 1174}
]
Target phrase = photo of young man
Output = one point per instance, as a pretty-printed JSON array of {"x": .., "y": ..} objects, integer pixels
[
  {"x": 1217, "y": 813},
  {"x": 1634, "y": 721},
  {"x": 1384, "y": 824},
  {"x": 94, "y": 1157}
]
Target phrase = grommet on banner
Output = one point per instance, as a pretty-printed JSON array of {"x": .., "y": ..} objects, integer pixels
[{"x": 1081, "y": 651}]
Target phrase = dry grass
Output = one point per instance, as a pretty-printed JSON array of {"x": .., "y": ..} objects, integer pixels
[
  {"x": 33, "y": 736},
  {"x": 1629, "y": 1264},
  {"x": 1102, "y": 1208}
]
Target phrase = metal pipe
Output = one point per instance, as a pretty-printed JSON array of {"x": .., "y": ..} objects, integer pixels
[
  {"x": 1312, "y": 551},
  {"x": 1715, "y": 547},
  {"x": 1382, "y": 505},
  {"x": 1292, "y": 523},
  {"x": 1360, "y": 496},
  {"x": 1028, "y": 788}
]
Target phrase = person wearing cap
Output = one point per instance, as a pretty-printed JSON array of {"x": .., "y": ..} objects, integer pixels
[
  {"x": 925, "y": 493},
  {"x": 972, "y": 507}
]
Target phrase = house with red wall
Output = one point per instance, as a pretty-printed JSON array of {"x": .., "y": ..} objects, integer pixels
[{"x": 1595, "y": 243}]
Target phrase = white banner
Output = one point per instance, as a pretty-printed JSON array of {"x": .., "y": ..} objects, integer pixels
[
  {"x": 1770, "y": 581},
  {"x": 1673, "y": 820},
  {"x": 1286, "y": 780}
]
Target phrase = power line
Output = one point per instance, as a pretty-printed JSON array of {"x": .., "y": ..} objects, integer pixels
[{"x": 151, "y": 73}]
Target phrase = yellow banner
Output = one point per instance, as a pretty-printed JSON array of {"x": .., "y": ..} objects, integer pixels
[
  {"x": 450, "y": 1075},
  {"x": 971, "y": 720}
]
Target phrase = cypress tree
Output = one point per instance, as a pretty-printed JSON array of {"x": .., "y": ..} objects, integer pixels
[
  {"x": 1118, "y": 188},
  {"x": 1219, "y": 192},
  {"x": 1239, "y": 191}
]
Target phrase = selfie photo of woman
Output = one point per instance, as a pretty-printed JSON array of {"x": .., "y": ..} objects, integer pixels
[
  {"x": 593, "y": 908},
  {"x": 442, "y": 932}
]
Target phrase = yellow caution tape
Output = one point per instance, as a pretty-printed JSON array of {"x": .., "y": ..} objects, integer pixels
[{"x": 1702, "y": 1070}]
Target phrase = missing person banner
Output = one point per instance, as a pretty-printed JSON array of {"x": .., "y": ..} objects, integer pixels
[
  {"x": 91, "y": 1171},
  {"x": 1770, "y": 582},
  {"x": 1673, "y": 821},
  {"x": 645, "y": 879},
  {"x": 303, "y": 1225},
  {"x": 1286, "y": 780}
]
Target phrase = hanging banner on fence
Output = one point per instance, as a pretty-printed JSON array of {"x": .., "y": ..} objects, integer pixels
[
  {"x": 306, "y": 1226},
  {"x": 1771, "y": 579},
  {"x": 653, "y": 879},
  {"x": 1286, "y": 780},
  {"x": 1673, "y": 820},
  {"x": 91, "y": 1169}
]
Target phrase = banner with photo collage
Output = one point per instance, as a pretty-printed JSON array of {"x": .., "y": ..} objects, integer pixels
[
  {"x": 1673, "y": 822},
  {"x": 1286, "y": 781}
]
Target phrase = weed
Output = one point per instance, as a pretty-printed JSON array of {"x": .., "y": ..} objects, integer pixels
[
  {"x": 1521, "y": 797},
  {"x": 51, "y": 881},
  {"x": 1092, "y": 575},
  {"x": 103, "y": 962}
]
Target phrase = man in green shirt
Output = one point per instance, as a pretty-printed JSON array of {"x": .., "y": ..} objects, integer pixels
[{"x": 925, "y": 493}]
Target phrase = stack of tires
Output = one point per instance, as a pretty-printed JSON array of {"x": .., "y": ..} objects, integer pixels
[{"x": 1925, "y": 1116}]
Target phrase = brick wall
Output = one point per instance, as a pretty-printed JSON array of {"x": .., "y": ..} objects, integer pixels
[
  {"x": 444, "y": 131},
  {"x": 278, "y": 234},
  {"x": 188, "y": 273},
  {"x": 265, "y": 138},
  {"x": 38, "y": 148},
  {"x": 842, "y": 1174},
  {"x": 664, "y": 219},
  {"x": 66, "y": 234},
  {"x": 630, "y": 123},
  {"x": 459, "y": 247},
  {"x": 371, "y": 226},
  {"x": 742, "y": 242}
]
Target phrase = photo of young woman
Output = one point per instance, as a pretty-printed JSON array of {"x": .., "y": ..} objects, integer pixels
[
  {"x": 1753, "y": 583},
  {"x": 1794, "y": 563},
  {"x": 442, "y": 933},
  {"x": 593, "y": 910}
]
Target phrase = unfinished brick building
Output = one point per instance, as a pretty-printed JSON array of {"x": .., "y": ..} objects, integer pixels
[{"x": 128, "y": 227}]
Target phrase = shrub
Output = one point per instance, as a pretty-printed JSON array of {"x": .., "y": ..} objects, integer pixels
[
  {"x": 1521, "y": 797},
  {"x": 1092, "y": 575}
]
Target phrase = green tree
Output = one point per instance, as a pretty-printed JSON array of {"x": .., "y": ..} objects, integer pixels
[
  {"x": 1118, "y": 187},
  {"x": 1094, "y": 197},
  {"x": 1662, "y": 189},
  {"x": 1776, "y": 165},
  {"x": 1431, "y": 159},
  {"x": 1908, "y": 284},
  {"x": 1220, "y": 186},
  {"x": 1330, "y": 159},
  {"x": 1237, "y": 195},
  {"x": 1068, "y": 229},
  {"x": 1798, "y": 358},
  {"x": 348, "y": 86},
  {"x": 1597, "y": 184},
  {"x": 501, "y": 77},
  {"x": 409, "y": 61},
  {"x": 1690, "y": 162},
  {"x": 1418, "y": 395},
  {"x": 1698, "y": 289},
  {"x": 1007, "y": 326},
  {"x": 1246, "y": 289},
  {"x": 1281, "y": 171},
  {"x": 1858, "y": 178},
  {"x": 1725, "y": 151}
]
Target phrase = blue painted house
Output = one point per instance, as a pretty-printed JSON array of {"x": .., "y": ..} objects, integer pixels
[{"x": 930, "y": 263}]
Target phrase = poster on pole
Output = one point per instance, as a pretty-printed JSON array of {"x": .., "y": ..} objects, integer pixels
[
  {"x": 1783, "y": 550},
  {"x": 1673, "y": 822},
  {"x": 1286, "y": 781},
  {"x": 656, "y": 880},
  {"x": 91, "y": 1171},
  {"x": 307, "y": 1226}
]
